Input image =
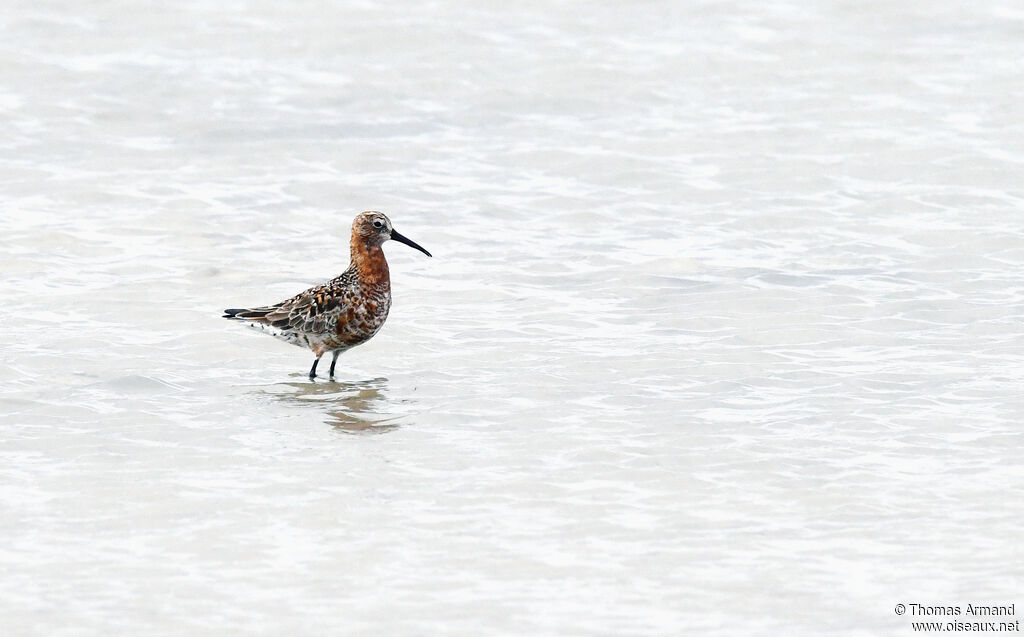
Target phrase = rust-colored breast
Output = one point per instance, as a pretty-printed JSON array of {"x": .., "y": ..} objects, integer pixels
[
  {"x": 364, "y": 316},
  {"x": 371, "y": 264}
]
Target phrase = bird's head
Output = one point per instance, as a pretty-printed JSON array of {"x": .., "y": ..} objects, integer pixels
[{"x": 374, "y": 228}]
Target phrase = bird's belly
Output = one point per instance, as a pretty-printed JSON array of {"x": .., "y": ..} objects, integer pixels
[{"x": 286, "y": 335}]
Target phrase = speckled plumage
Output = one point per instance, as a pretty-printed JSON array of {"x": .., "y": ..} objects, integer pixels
[{"x": 344, "y": 312}]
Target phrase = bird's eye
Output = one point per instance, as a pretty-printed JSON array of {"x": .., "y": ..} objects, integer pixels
[{"x": 378, "y": 224}]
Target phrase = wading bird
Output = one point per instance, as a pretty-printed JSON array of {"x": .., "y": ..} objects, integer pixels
[{"x": 344, "y": 312}]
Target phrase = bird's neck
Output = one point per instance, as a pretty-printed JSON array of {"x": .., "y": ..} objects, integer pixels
[{"x": 369, "y": 261}]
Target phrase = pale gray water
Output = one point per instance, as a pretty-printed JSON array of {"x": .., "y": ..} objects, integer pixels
[{"x": 724, "y": 332}]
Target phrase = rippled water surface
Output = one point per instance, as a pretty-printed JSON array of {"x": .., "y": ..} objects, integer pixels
[{"x": 723, "y": 332}]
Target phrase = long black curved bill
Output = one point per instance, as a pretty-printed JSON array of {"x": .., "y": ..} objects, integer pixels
[{"x": 408, "y": 242}]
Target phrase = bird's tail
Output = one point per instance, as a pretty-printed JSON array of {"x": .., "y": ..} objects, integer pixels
[{"x": 253, "y": 314}]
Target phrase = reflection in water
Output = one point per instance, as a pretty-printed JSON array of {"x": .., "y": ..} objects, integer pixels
[{"x": 357, "y": 407}]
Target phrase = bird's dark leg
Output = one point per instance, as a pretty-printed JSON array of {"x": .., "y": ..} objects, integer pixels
[
  {"x": 312, "y": 370},
  {"x": 334, "y": 360}
]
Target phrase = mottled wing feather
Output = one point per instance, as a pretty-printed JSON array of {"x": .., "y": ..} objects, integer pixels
[
  {"x": 314, "y": 311},
  {"x": 306, "y": 312}
]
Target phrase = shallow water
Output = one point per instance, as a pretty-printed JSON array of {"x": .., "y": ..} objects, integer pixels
[{"x": 723, "y": 333}]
